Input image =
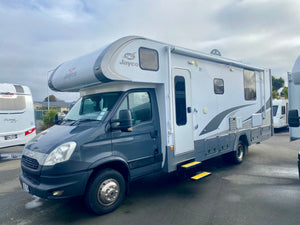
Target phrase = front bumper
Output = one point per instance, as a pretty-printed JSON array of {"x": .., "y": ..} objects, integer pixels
[{"x": 67, "y": 185}]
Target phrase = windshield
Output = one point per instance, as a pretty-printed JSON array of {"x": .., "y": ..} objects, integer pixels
[
  {"x": 92, "y": 107},
  {"x": 275, "y": 108}
]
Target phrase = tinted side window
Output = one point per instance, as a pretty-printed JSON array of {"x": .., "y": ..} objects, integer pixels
[
  {"x": 180, "y": 101},
  {"x": 275, "y": 108},
  {"x": 139, "y": 105},
  {"x": 283, "y": 110},
  {"x": 250, "y": 85}
]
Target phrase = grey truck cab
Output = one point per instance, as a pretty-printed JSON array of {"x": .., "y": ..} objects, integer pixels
[{"x": 145, "y": 107}]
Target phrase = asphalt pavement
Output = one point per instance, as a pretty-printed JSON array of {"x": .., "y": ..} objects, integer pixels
[{"x": 263, "y": 190}]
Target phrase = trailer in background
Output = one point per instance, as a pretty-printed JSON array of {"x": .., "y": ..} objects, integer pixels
[
  {"x": 280, "y": 113},
  {"x": 17, "y": 123}
]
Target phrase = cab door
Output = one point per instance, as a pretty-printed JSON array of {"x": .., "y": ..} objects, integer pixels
[{"x": 141, "y": 146}]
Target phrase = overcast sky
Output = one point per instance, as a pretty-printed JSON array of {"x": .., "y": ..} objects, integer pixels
[{"x": 38, "y": 35}]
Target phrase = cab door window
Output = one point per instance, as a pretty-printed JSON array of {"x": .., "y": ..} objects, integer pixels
[{"x": 139, "y": 105}]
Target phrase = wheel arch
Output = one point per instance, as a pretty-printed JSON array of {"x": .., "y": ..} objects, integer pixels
[
  {"x": 244, "y": 138},
  {"x": 117, "y": 164}
]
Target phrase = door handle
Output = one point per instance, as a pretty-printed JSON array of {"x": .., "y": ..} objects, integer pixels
[{"x": 189, "y": 109}]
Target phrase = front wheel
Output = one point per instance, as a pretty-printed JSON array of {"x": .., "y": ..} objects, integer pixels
[{"x": 105, "y": 192}]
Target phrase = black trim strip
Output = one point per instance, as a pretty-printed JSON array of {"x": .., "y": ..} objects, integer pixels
[
  {"x": 12, "y": 113},
  {"x": 217, "y": 120},
  {"x": 145, "y": 161}
]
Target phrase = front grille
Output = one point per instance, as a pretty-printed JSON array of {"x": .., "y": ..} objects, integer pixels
[{"x": 30, "y": 162}]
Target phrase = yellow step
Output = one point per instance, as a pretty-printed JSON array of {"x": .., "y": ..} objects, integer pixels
[
  {"x": 201, "y": 175},
  {"x": 188, "y": 165}
]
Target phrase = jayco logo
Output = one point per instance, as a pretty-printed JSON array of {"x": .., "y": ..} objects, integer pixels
[{"x": 129, "y": 56}]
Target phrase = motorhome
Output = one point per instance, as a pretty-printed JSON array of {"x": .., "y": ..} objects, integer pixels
[
  {"x": 17, "y": 123},
  {"x": 280, "y": 113},
  {"x": 145, "y": 107},
  {"x": 294, "y": 104}
]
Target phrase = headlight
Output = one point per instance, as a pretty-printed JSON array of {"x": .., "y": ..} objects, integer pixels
[{"x": 60, "y": 154}]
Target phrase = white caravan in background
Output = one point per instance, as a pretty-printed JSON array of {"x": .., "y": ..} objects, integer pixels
[
  {"x": 17, "y": 123},
  {"x": 280, "y": 113},
  {"x": 145, "y": 107}
]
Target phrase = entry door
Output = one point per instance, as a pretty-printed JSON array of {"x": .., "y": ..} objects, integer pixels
[{"x": 182, "y": 105}]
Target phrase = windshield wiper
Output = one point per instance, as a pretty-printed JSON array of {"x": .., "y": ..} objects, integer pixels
[
  {"x": 83, "y": 120},
  {"x": 67, "y": 120},
  {"x": 63, "y": 121}
]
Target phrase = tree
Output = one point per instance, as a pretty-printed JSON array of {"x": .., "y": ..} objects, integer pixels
[
  {"x": 275, "y": 94},
  {"x": 285, "y": 93},
  {"x": 52, "y": 98},
  {"x": 48, "y": 118},
  {"x": 277, "y": 83}
]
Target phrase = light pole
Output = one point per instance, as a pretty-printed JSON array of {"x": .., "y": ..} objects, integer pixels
[{"x": 48, "y": 88}]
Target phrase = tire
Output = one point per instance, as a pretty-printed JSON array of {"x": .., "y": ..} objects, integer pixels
[
  {"x": 105, "y": 192},
  {"x": 238, "y": 156}
]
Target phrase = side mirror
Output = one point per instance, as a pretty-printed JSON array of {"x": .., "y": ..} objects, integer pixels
[
  {"x": 56, "y": 120},
  {"x": 293, "y": 118},
  {"x": 125, "y": 121}
]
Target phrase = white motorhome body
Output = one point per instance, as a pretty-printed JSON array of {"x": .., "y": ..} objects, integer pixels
[
  {"x": 226, "y": 100},
  {"x": 294, "y": 100},
  {"x": 294, "y": 104},
  {"x": 145, "y": 107},
  {"x": 280, "y": 113},
  {"x": 17, "y": 123}
]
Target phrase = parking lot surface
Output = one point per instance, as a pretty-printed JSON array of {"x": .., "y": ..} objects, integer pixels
[{"x": 263, "y": 190}]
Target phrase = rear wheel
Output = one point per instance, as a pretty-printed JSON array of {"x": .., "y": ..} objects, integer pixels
[
  {"x": 105, "y": 191},
  {"x": 238, "y": 156}
]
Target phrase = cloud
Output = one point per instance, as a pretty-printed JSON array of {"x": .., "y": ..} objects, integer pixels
[{"x": 37, "y": 36}]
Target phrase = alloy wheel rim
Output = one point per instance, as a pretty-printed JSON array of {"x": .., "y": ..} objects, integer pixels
[{"x": 108, "y": 192}]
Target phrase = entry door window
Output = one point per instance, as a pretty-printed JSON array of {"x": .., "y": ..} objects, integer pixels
[{"x": 180, "y": 101}]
